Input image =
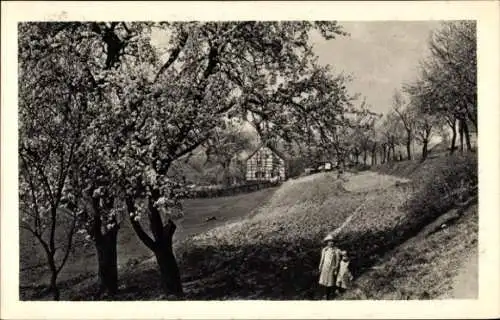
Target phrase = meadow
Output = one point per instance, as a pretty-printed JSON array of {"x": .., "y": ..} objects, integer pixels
[{"x": 265, "y": 245}]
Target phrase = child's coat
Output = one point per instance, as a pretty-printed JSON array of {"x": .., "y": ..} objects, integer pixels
[
  {"x": 329, "y": 266},
  {"x": 344, "y": 276}
]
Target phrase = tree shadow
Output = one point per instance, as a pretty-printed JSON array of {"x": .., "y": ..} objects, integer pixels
[{"x": 277, "y": 268}]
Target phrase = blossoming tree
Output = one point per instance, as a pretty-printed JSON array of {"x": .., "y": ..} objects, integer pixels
[{"x": 151, "y": 109}]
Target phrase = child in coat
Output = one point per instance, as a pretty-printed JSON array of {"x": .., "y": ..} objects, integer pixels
[
  {"x": 344, "y": 276},
  {"x": 328, "y": 267}
]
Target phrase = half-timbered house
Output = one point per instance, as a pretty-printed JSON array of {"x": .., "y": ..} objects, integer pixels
[{"x": 265, "y": 164}]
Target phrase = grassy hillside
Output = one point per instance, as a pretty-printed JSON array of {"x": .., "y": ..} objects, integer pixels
[
  {"x": 390, "y": 226},
  {"x": 416, "y": 169},
  {"x": 424, "y": 267},
  {"x": 274, "y": 254}
]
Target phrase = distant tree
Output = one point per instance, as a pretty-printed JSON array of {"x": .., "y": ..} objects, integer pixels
[
  {"x": 407, "y": 117},
  {"x": 225, "y": 144},
  {"x": 426, "y": 122},
  {"x": 425, "y": 126},
  {"x": 392, "y": 136}
]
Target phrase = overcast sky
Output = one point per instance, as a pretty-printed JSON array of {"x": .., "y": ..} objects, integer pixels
[{"x": 379, "y": 55}]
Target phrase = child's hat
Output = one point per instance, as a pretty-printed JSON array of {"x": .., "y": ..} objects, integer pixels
[{"x": 328, "y": 238}]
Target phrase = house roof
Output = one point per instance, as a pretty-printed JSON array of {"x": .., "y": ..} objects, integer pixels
[{"x": 279, "y": 154}]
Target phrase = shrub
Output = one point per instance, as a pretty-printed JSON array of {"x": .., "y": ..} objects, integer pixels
[
  {"x": 296, "y": 167},
  {"x": 441, "y": 187},
  {"x": 362, "y": 167}
]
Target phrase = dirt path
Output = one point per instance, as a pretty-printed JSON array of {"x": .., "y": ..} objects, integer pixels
[
  {"x": 370, "y": 181},
  {"x": 367, "y": 181},
  {"x": 466, "y": 282}
]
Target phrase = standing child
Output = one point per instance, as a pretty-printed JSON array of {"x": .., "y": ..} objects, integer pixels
[
  {"x": 328, "y": 267},
  {"x": 344, "y": 276}
]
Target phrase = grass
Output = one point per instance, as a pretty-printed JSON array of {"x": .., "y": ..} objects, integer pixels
[
  {"x": 424, "y": 268},
  {"x": 273, "y": 253},
  {"x": 416, "y": 169},
  {"x": 82, "y": 263}
]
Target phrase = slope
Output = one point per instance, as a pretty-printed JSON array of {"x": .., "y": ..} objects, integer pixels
[{"x": 390, "y": 226}]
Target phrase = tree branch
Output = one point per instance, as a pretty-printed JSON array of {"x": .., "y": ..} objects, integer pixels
[
  {"x": 155, "y": 221},
  {"x": 69, "y": 244},
  {"x": 38, "y": 236},
  {"x": 143, "y": 236},
  {"x": 173, "y": 56}
]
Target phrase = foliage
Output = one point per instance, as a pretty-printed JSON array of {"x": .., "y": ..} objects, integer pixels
[
  {"x": 447, "y": 84},
  {"x": 224, "y": 149},
  {"x": 55, "y": 99},
  {"x": 140, "y": 112},
  {"x": 443, "y": 187},
  {"x": 450, "y": 73}
]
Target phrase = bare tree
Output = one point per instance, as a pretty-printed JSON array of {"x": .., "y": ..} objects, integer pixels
[{"x": 407, "y": 117}]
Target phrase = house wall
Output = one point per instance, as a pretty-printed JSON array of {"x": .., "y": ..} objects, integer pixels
[{"x": 263, "y": 162}]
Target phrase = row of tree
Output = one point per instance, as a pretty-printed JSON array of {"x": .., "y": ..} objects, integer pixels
[
  {"x": 104, "y": 114},
  {"x": 441, "y": 101}
]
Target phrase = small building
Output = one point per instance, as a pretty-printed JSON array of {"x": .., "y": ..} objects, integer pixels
[
  {"x": 325, "y": 166},
  {"x": 265, "y": 164}
]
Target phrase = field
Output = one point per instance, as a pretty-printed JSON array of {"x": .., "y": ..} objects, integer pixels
[{"x": 265, "y": 245}]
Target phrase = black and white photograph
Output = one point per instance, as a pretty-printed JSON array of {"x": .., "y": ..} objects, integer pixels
[{"x": 184, "y": 160}]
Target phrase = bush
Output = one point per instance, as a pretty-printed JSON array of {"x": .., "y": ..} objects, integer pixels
[
  {"x": 359, "y": 168},
  {"x": 450, "y": 181},
  {"x": 296, "y": 167},
  {"x": 363, "y": 167}
]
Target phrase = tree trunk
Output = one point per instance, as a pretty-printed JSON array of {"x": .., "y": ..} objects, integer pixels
[
  {"x": 169, "y": 270},
  {"x": 453, "y": 138},
  {"x": 161, "y": 245},
  {"x": 424, "y": 149},
  {"x": 107, "y": 261},
  {"x": 393, "y": 152},
  {"x": 465, "y": 129},
  {"x": 53, "y": 280},
  {"x": 225, "y": 172},
  {"x": 374, "y": 157},
  {"x": 50, "y": 252},
  {"x": 365, "y": 155},
  {"x": 105, "y": 244},
  {"x": 408, "y": 146},
  {"x": 461, "y": 132}
]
